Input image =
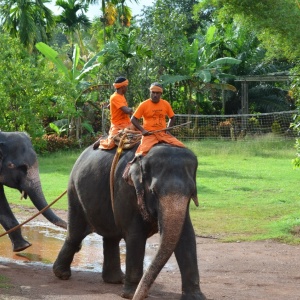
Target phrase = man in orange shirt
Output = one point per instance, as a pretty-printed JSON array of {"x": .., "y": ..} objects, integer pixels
[
  {"x": 154, "y": 112},
  {"x": 119, "y": 114}
]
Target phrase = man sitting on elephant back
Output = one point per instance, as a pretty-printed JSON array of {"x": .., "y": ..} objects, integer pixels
[
  {"x": 154, "y": 111},
  {"x": 119, "y": 114}
]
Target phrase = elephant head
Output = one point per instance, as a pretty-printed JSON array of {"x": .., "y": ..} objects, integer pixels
[
  {"x": 164, "y": 181},
  {"x": 19, "y": 170}
]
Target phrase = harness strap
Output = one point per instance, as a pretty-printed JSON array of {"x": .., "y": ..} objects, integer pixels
[{"x": 113, "y": 169}]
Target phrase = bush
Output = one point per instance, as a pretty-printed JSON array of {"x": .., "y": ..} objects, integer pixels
[
  {"x": 276, "y": 128},
  {"x": 53, "y": 143}
]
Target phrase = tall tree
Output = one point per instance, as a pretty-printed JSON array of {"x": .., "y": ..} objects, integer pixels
[
  {"x": 73, "y": 18},
  {"x": 275, "y": 22},
  {"x": 30, "y": 20},
  {"x": 113, "y": 12},
  {"x": 126, "y": 55}
]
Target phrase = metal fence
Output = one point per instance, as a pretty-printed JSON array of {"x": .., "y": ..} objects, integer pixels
[{"x": 234, "y": 127}]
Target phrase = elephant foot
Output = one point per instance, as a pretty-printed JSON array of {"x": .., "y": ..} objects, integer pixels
[
  {"x": 193, "y": 296},
  {"x": 128, "y": 291},
  {"x": 127, "y": 295},
  {"x": 20, "y": 246},
  {"x": 61, "y": 273},
  {"x": 113, "y": 277},
  {"x": 61, "y": 223}
]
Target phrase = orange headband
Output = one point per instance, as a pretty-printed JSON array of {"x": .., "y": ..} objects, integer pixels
[
  {"x": 121, "y": 84},
  {"x": 155, "y": 88}
]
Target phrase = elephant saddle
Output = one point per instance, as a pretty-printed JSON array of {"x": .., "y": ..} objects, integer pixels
[{"x": 129, "y": 138}]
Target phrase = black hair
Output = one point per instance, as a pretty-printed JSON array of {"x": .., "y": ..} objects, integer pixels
[
  {"x": 120, "y": 79},
  {"x": 156, "y": 84}
]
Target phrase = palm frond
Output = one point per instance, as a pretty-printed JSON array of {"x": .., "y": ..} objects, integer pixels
[{"x": 170, "y": 79}]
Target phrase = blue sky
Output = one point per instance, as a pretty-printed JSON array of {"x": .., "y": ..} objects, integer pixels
[{"x": 95, "y": 9}]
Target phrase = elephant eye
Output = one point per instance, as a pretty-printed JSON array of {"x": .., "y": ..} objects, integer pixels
[
  {"x": 10, "y": 165},
  {"x": 23, "y": 168}
]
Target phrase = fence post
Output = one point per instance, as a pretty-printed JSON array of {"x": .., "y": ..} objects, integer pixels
[{"x": 245, "y": 108}]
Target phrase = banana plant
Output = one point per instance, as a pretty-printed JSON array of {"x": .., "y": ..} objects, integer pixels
[
  {"x": 200, "y": 77},
  {"x": 74, "y": 76}
]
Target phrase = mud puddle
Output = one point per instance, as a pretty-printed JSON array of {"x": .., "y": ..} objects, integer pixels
[{"x": 47, "y": 240}]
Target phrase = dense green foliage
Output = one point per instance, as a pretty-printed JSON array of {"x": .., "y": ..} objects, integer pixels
[
  {"x": 296, "y": 124},
  {"x": 31, "y": 21},
  {"x": 180, "y": 43},
  {"x": 274, "y": 21},
  {"x": 30, "y": 92}
]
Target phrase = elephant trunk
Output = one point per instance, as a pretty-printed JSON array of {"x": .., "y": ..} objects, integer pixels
[
  {"x": 172, "y": 216},
  {"x": 32, "y": 186}
]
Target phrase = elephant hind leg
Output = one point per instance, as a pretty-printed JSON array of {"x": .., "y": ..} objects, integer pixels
[
  {"x": 112, "y": 272},
  {"x": 62, "y": 264},
  {"x": 78, "y": 229}
]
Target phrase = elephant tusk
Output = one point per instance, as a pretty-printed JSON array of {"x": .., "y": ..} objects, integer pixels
[
  {"x": 195, "y": 199},
  {"x": 22, "y": 195}
]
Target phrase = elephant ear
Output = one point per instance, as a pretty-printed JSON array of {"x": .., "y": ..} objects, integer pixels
[
  {"x": 133, "y": 172},
  {"x": 1, "y": 155},
  {"x": 126, "y": 174},
  {"x": 133, "y": 175}
]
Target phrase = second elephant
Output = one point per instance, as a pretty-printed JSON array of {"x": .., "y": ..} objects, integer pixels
[{"x": 19, "y": 170}]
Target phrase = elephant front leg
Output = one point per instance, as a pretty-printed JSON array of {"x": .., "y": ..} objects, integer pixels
[
  {"x": 8, "y": 221},
  {"x": 186, "y": 256},
  {"x": 18, "y": 242},
  {"x": 135, "y": 252}
]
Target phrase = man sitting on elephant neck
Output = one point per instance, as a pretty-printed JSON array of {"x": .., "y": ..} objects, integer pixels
[
  {"x": 154, "y": 111},
  {"x": 119, "y": 114}
]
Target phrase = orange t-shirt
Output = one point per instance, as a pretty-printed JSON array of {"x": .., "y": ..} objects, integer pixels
[
  {"x": 117, "y": 116},
  {"x": 154, "y": 114}
]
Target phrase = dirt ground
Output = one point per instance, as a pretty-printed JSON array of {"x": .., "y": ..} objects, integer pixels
[{"x": 235, "y": 271}]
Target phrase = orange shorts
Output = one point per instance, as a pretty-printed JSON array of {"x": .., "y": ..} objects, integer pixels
[
  {"x": 149, "y": 141},
  {"x": 109, "y": 142}
]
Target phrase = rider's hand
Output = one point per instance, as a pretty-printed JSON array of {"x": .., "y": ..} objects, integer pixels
[
  {"x": 96, "y": 145},
  {"x": 145, "y": 132}
]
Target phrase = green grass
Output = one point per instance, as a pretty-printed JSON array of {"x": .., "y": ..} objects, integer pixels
[
  {"x": 247, "y": 190},
  {"x": 4, "y": 282}
]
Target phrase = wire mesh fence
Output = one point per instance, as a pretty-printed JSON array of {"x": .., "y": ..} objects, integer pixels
[{"x": 236, "y": 127}]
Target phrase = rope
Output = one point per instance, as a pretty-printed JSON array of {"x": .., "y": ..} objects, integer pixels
[
  {"x": 168, "y": 128},
  {"x": 34, "y": 216},
  {"x": 113, "y": 168}
]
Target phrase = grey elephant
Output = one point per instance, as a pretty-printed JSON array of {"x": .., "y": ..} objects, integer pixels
[
  {"x": 152, "y": 195},
  {"x": 19, "y": 170}
]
